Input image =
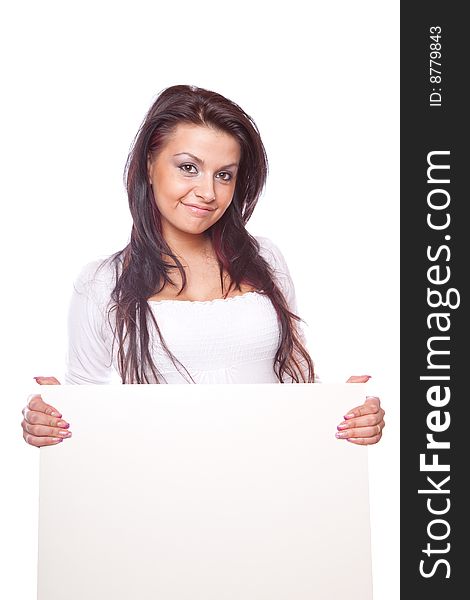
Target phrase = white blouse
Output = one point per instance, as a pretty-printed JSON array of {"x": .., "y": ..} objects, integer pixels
[{"x": 231, "y": 340}]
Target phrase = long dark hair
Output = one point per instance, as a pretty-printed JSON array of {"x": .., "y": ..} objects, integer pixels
[{"x": 142, "y": 267}]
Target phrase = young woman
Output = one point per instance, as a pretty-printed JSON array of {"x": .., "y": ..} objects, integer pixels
[{"x": 193, "y": 297}]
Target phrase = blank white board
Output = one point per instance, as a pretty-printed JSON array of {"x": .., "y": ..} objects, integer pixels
[{"x": 204, "y": 492}]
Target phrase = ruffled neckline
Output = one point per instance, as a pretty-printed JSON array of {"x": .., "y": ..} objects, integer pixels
[{"x": 213, "y": 301}]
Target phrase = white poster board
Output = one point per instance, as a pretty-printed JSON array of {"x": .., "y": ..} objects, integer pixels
[{"x": 204, "y": 492}]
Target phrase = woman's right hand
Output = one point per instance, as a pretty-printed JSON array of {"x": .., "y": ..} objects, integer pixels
[{"x": 43, "y": 424}]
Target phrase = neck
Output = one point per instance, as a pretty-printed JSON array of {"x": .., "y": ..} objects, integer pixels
[{"x": 189, "y": 246}]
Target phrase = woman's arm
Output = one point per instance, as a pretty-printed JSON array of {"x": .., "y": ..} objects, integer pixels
[
  {"x": 363, "y": 424},
  {"x": 89, "y": 349},
  {"x": 272, "y": 254}
]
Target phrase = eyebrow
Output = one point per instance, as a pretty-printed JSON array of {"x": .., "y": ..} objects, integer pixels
[{"x": 200, "y": 161}]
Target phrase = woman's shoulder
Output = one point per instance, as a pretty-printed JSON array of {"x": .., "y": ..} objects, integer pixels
[
  {"x": 271, "y": 252},
  {"x": 97, "y": 278},
  {"x": 275, "y": 259},
  {"x": 265, "y": 242}
]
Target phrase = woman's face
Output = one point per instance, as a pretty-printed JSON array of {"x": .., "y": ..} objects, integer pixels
[{"x": 193, "y": 178}]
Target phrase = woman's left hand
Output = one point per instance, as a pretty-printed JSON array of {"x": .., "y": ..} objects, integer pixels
[{"x": 363, "y": 424}]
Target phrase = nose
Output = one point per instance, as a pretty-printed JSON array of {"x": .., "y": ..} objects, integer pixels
[{"x": 205, "y": 189}]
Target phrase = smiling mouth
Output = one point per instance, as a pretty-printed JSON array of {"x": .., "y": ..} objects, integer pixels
[{"x": 198, "y": 207}]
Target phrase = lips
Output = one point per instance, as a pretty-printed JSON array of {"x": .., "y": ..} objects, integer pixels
[
  {"x": 197, "y": 211},
  {"x": 199, "y": 207}
]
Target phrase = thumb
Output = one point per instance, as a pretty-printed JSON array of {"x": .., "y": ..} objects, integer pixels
[
  {"x": 47, "y": 381},
  {"x": 358, "y": 379}
]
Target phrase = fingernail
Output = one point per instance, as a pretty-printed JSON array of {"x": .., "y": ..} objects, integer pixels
[
  {"x": 349, "y": 416},
  {"x": 63, "y": 424},
  {"x": 342, "y": 426},
  {"x": 65, "y": 433},
  {"x": 54, "y": 414},
  {"x": 58, "y": 439},
  {"x": 341, "y": 434}
]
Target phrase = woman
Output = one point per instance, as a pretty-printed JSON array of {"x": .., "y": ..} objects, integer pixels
[{"x": 193, "y": 297}]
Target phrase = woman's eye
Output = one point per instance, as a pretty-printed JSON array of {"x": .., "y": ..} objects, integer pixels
[
  {"x": 186, "y": 168},
  {"x": 225, "y": 176}
]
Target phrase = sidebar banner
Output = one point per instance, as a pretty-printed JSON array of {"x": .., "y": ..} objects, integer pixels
[{"x": 435, "y": 362}]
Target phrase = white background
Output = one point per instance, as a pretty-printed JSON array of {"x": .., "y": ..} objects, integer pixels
[{"x": 321, "y": 80}]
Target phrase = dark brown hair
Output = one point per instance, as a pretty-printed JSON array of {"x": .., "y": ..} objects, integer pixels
[{"x": 142, "y": 267}]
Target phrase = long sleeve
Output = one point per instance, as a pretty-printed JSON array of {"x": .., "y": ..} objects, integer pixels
[
  {"x": 89, "y": 359},
  {"x": 275, "y": 258}
]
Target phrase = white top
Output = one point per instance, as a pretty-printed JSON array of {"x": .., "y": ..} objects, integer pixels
[{"x": 231, "y": 340}]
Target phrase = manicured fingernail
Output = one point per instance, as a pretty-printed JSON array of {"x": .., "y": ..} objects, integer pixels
[
  {"x": 341, "y": 434},
  {"x": 58, "y": 439},
  {"x": 54, "y": 414},
  {"x": 349, "y": 416},
  {"x": 63, "y": 424},
  {"x": 65, "y": 433},
  {"x": 342, "y": 426}
]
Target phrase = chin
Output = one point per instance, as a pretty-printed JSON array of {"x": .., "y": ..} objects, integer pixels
[{"x": 197, "y": 230}]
